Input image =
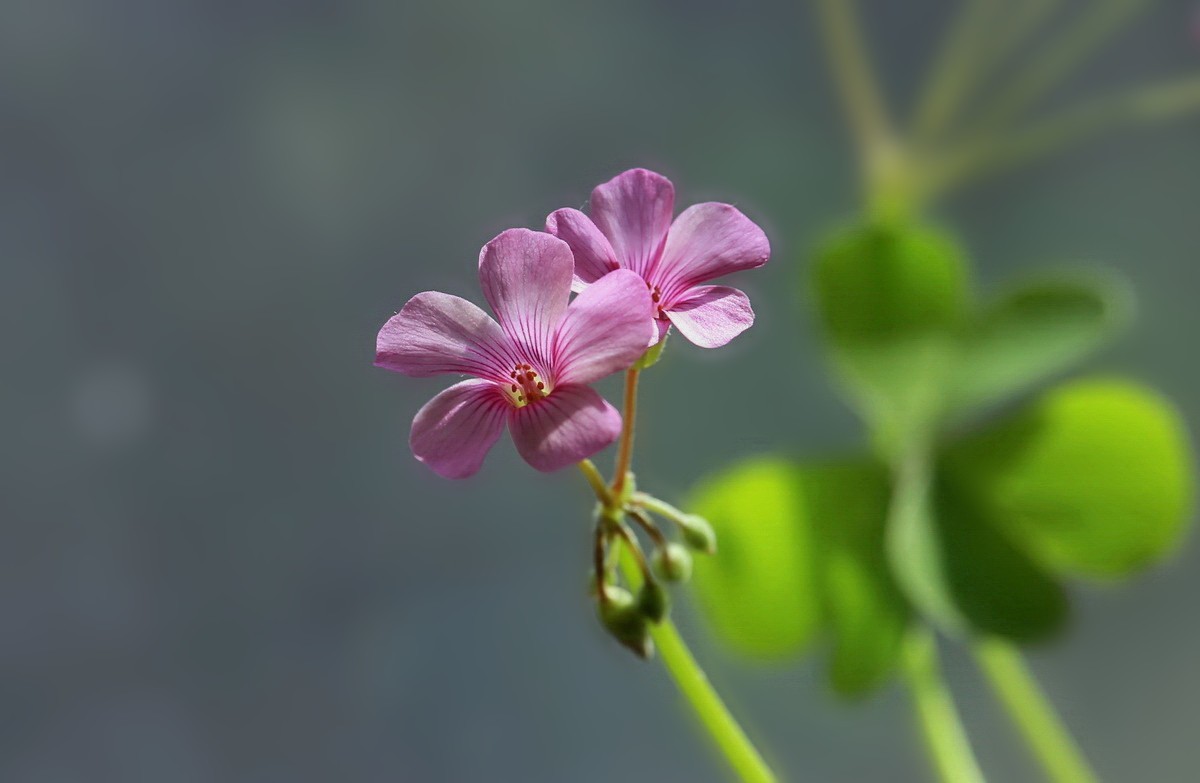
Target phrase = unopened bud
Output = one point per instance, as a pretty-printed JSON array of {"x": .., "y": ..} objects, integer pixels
[
  {"x": 673, "y": 563},
  {"x": 653, "y": 601},
  {"x": 623, "y": 618},
  {"x": 699, "y": 534}
]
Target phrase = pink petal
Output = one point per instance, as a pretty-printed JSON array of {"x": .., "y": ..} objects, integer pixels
[
  {"x": 633, "y": 210},
  {"x": 706, "y": 242},
  {"x": 712, "y": 315},
  {"x": 594, "y": 255},
  {"x": 454, "y": 431},
  {"x": 573, "y": 423},
  {"x": 607, "y": 328},
  {"x": 437, "y": 333},
  {"x": 526, "y": 277}
]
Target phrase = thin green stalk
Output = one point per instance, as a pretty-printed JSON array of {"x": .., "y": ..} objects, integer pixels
[
  {"x": 1032, "y": 713},
  {"x": 1021, "y": 21},
  {"x": 628, "y": 426},
  {"x": 945, "y": 739},
  {"x": 1139, "y": 106},
  {"x": 1057, "y": 60},
  {"x": 954, "y": 68},
  {"x": 729, "y": 737},
  {"x": 724, "y": 730},
  {"x": 859, "y": 91}
]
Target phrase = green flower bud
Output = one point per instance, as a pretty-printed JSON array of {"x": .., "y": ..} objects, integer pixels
[
  {"x": 673, "y": 563},
  {"x": 623, "y": 618},
  {"x": 699, "y": 534},
  {"x": 653, "y": 601}
]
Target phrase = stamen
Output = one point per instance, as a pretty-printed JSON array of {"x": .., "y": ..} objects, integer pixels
[{"x": 526, "y": 387}]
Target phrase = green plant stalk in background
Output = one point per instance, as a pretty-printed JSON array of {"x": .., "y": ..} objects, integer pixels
[
  {"x": 901, "y": 177},
  {"x": 1032, "y": 713},
  {"x": 945, "y": 739},
  {"x": 710, "y": 710}
]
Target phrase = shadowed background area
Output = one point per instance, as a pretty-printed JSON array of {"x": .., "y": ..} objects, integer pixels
[{"x": 221, "y": 563}]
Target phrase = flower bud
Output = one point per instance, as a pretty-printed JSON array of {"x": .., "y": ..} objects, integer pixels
[
  {"x": 673, "y": 563},
  {"x": 653, "y": 601},
  {"x": 699, "y": 534},
  {"x": 623, "y": 618}
]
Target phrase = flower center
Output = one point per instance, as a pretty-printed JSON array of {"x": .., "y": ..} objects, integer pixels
[
  {"x": 525, "y": 386},
  {"x": 656, "y": 298}
]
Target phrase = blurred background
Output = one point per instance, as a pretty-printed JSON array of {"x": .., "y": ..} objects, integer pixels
[{"x": 220, "y": 562}]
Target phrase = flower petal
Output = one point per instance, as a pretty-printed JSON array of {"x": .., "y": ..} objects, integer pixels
[
  {"x": 437, "y": 333},
  {"x": 573, "y": 423},
  {"x": 634, "y": 210},
  {"x": 526, "y": 277},
  {"x": 712, "y": 315},
  {"x": 454, "y": 431},
  {"x": 606, "y": 329},
  {"x": 594, "y": 255},
  {"x": 708, "y": 241}
]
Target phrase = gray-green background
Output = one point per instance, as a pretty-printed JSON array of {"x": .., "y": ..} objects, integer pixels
[{"x": 219, "y": 560}]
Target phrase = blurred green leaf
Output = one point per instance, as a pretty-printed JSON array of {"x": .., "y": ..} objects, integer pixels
[
  {"x": 876, "y": 283},
  {"x": 997, "y": 588},
  {"x": 759, "y": 590},
  {"x": 801, "y": 549},
  {"x": 1033, "y": 332},
  {"x": 1095, "y": 478},
  {"x": 959, "y": 570},
  {"x": 866, "y": 613},
  {"x": 892, "y": 300}
]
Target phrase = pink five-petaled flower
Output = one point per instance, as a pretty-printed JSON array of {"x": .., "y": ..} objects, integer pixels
[
  {"x": 531, "y": 370},
  {"x": 631, "y": 228}
]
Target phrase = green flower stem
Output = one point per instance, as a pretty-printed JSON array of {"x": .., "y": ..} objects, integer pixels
[
  {"x": 629, "y": 423},
  {"x": 724, "y": 730},
  {"x": 1032, "y": 713},
  {"x": 597, "y": 482},
  {"x": 659, "y": 507},
  {"x": 945, "y": 739}
]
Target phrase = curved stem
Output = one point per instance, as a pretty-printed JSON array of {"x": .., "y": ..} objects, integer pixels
[
  {"x": 729, "y": 737},
  {"x": 945, "y": 739},
  {"x": 597, "y": 482},
  {"x": 628, "y": 425},
  {"x": 1032, "y": 713}
]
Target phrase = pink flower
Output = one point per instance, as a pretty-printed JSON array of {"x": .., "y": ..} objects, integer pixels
[
  {"x": 631, "y": 228},
  {"x": 531, "y": 370}
]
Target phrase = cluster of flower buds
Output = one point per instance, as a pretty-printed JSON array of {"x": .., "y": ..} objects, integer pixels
[{"x": 628, "y": 612}]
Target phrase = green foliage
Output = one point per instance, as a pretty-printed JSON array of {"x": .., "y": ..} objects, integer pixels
[
  {"x": 1093, "y": 479},
  {"x": 758, "y": 591},
  {"x": 823, "y": 529},
  {"x": 1033, "y": 332},
  {"x": 891, "y": 301},
  {"x": 996, "y": 587},
  {"x": 865, "y": 613},
  {"x": 876, "y": 284}
]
